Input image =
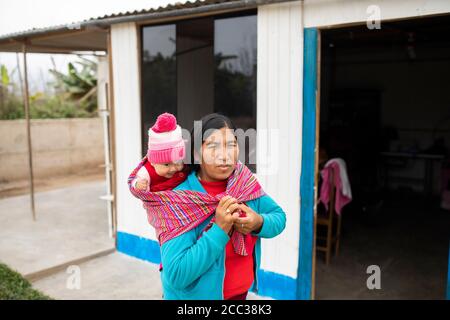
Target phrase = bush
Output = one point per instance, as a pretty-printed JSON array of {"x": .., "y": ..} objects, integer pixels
[
  {"x": 12, "y": 109},
  {"x": 75, "y": 94},
  {"x": 43, "y": 107},
  {"x": 15, "y": 287},
  {"x": 56, "y": 107}
]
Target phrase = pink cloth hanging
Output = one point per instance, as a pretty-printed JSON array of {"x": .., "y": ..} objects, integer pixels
[{"x": 343, "y": 190}]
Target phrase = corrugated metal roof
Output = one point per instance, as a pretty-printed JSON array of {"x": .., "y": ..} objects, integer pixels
[
  {"x": 176, "y": 5},
  {"x": 91, "y": 34}
]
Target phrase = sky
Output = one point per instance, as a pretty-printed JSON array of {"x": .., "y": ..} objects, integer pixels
[{"x": 22, "y": 15}]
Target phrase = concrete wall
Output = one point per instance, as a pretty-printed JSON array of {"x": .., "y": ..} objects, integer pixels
[{"x": 59, "y": 146}]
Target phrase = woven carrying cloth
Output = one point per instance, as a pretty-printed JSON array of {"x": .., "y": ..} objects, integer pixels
[{"x": 174, "y": 212}]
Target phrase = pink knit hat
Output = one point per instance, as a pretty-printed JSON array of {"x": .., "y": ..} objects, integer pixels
[{"x": 165, "y": 141}]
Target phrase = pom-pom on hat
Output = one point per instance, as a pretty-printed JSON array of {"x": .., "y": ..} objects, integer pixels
[{"x": 165, "y": 141}]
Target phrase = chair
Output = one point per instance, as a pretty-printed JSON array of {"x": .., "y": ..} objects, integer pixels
[{"x": 327, "y": 218}]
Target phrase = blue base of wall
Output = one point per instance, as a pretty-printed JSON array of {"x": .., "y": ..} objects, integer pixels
[
  {"x": 138, "y": 247},
  {"x": 273, "y": 285}
]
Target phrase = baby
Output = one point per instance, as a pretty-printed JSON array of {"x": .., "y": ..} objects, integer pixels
[{"x": 164, "y": 168}]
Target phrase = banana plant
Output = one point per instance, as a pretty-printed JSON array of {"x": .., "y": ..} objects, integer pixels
[
  {"x": 79, "y": 85},
  {"x": 10, "y": 104},
  {"x": 4, "y": 75}
]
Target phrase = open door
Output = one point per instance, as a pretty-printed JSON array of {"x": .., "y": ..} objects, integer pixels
[{"x": 377, "y": 115}]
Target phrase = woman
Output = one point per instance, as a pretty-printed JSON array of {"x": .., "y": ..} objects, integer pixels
[{"x": 203, "y": 263}]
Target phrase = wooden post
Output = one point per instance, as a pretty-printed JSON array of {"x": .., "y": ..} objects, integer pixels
[{"x": 26, "y": 101}]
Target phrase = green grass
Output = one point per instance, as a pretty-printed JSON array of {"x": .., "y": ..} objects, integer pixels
[{"x": 15, "y": 287}]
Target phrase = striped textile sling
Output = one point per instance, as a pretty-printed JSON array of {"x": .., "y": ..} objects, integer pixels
[{"x": 174, "y": 212}]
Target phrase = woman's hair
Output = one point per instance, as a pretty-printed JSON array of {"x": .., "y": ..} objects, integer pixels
[{"x": 209, "y": 123}]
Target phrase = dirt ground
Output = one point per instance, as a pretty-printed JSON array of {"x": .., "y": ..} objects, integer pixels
[{"x": 17, "y": 188}]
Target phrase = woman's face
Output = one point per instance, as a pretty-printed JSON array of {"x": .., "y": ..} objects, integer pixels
[{"x": 220, "y": 153}]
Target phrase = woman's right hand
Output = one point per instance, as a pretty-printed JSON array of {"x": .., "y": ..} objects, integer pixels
[{"x": 227, "y": 212}]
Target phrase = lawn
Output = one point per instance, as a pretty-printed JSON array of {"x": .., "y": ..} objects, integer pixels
[{"x": 15, "y": 287}]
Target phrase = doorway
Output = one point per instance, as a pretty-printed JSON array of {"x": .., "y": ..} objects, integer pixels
[{"x": 385, "y": 111}]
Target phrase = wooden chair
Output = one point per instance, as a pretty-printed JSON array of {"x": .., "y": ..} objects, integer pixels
[{"x": 328, "y": 218}]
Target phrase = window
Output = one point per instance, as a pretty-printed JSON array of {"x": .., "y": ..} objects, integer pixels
[
  {"x": 195, "y": 67},
  {"x": 159, "y": 87},
  {"x": 235, "y": 76}
]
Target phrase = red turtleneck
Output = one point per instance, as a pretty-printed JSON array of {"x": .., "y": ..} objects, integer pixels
[{"x": 238, "y": 269}]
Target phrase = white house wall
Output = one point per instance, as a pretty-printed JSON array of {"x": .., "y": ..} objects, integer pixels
[
  {"x": 131, "y": 217},
  {"x": 323, "y": 13},
  {"x": 279, "y": 113},
  {"x": 279, "y": 101},
  {"x": 280, "y": 51}
]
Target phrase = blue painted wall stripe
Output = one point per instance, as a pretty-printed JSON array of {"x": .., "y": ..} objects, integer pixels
[
  {"x": 304, "y": 276},
  {"x": 271, "y": 284},
  {"x": 276, "y": 286},
  {"x": 142, "y": 248}
]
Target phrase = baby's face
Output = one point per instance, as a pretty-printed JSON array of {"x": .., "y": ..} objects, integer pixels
[{"x": 167, "y": 170}]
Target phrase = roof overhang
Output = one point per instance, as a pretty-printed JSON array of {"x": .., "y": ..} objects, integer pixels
[
  {"x": 92, "y": 35},
  {"x": 59, "y": 41}
]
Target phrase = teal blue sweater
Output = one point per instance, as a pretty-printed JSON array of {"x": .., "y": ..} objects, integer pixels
[{"x": 195, "y": 268}]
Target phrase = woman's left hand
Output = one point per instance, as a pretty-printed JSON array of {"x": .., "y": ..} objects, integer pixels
[{"x": 250, "y": 222}]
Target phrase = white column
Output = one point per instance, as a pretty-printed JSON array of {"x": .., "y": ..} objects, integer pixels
[
  {"x": 279, "y": 99},
  {"x": 131, "y": 217}
]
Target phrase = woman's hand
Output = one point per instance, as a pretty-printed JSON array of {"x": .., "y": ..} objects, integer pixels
[
  {"x": 227, "y": 212},
  {"x": 250, "y": 222}
]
